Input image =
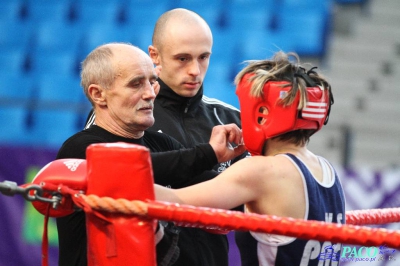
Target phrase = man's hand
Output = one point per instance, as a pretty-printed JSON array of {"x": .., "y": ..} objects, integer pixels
[{"x": 222, "y": 138}]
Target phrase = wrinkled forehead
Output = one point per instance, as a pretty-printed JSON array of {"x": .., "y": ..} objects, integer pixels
[{"x": 134, "y": 62}]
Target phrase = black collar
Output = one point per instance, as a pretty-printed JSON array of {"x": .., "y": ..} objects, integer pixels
[{"x": 169, "y": 99}]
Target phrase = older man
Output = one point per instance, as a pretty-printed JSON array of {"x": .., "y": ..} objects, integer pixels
[{"x": 120, "y": 82}]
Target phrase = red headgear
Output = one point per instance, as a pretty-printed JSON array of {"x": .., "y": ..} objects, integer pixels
[{"x": 280, "y": 119}]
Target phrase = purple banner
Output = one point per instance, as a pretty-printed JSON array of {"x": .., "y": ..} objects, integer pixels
[
  {"x": 20, "y": 232},
  {"x": 21, "y": 226}
]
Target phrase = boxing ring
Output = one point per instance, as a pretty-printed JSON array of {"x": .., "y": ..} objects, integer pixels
[{"x": 114, "y": 187}]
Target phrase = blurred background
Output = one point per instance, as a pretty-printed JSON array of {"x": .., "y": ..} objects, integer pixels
[{"x": 354, "y": 43}]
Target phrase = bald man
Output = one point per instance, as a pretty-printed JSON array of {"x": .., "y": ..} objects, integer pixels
[
  {"x": 182, "y": 47},
  {"x": 121, "y": 83}
]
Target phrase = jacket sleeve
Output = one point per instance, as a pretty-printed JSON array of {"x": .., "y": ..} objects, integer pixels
[{"x": 178, "y": 167}]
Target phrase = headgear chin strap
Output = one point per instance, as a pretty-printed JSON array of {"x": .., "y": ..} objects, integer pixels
[{"x": 259, "y": 125}]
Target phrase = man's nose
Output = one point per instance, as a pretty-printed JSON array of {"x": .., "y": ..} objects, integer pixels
[
  {"x": 149, "y": 92},
  {"x": 194, "y": 68}
]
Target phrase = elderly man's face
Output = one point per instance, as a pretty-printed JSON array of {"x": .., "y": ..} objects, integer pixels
[{"x": 130, "y": 99}]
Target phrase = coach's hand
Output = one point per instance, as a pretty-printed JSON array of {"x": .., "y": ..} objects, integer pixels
[{"x": 227, "y": 142}]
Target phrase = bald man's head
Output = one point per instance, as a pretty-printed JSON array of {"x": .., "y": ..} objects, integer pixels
[
  {"x": 170, "y": 20},
  {"x": 182, "y": 44}
]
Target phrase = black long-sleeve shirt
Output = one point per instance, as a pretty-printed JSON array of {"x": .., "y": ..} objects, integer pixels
[
  {"x": 190, "y": 120},
  {"x": 172, "y": 166}
]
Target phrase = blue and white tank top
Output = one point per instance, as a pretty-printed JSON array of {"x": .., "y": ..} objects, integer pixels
[{"x": 325, "y": 201}]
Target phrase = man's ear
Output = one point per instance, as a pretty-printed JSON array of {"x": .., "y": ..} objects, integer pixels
[
  {"x": 97, "y": 94},
  {"x": 154, "y": 55}
]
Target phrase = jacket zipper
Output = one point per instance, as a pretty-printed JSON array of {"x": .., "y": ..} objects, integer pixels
[
  {"x": 187, "y": 107},
  {"x": 187, "y": 137}
]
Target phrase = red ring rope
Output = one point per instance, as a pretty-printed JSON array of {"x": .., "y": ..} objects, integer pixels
[{"x": 210, "y": 218}]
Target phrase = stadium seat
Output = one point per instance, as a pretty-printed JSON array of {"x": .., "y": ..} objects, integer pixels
[
  {"x": 345, "y": 2},
  {"x": 300, "y": 5},
  {"x": 241, "y": 20},
  {"x": 308, "y": 30},
  {"x": 102, "y": 33},
  {"x": 89, "y": 12},
  {"x": 58, "y": 90},
  {"x": 195, "y": 3},
  {"x": 15, "y": 88},
  {"x": 219, "y": 71},
  {"x": 141, "y": 14},
  {"x": 13, "y": 60},
  {"x": 138, "y": 35},
  {"x": 48, "y": 11},
  {"x": 15, "y": 97},
  {"x": 14, "y": 125},
  {"x": 60, "y": 62},
  {"x": 255, "y": 3},
  {"x": 225, "y": 91},
  {"x": 225, "y": 45},
  {"x": 257, "y": 44},
  {"x": 11, "y": 10},
  {"x": 15, "y": 35},
  {"x": 50, "y": 128},
  {"x": 252, "y": 14},
  {"x": 211, "y": 11},
  {"x": 59, "y": 110},
  {"x": 57, "y": 36},
  {"x": 308, "y": 23}
]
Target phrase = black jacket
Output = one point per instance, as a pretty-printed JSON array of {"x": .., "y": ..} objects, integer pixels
[
  {"x": 190, "y": 121},
  {"x": 171, "y": 167}
]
